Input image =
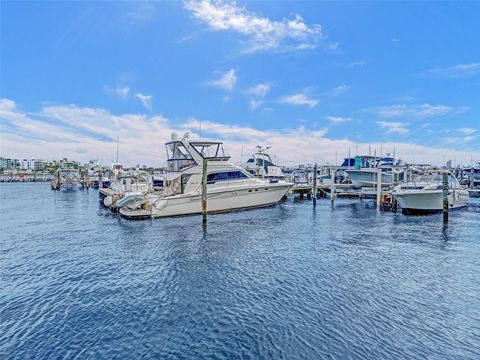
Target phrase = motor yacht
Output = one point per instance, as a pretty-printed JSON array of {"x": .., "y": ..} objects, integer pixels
[
  {"x": 229, "y": 187},
  {"x": 424, "y": 194},
  {"x": 262, "y": 166},
  {"x": 365, "y": 171}
]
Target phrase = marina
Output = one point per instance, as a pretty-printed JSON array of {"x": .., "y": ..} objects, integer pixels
[{"x": 231, "y": 179}]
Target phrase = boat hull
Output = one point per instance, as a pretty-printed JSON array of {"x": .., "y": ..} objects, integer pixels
[
  {"x": 431, "y": 201},
  {"x": 218, "y": 201},
  {"x": 368, "y": 178}
]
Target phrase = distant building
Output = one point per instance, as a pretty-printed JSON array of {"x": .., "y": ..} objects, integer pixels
[
  {"x": 9, "y": 164},
  {"x": 449, "y": 164}
]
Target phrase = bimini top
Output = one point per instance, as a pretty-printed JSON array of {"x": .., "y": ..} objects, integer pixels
[{"x": 184, "y": 153}]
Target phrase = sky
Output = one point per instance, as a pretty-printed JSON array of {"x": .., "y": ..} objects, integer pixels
[{"x": 313, "y": 80}]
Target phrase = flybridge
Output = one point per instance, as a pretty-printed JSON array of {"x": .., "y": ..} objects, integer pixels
[{"x": 184, "y": 153}]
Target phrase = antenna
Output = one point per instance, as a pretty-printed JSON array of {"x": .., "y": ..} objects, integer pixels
[
  {"x": 349, "y": 158},
  {"x": 118, "y": 142}
]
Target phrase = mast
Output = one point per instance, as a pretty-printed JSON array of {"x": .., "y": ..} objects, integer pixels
[{"x": 118, "y": 142}]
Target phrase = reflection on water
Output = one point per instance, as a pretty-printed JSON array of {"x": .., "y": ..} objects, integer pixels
[{"x": 287, "y": 281}]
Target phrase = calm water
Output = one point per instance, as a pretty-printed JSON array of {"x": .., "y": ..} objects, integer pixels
[{"x": 282, "y": 282}]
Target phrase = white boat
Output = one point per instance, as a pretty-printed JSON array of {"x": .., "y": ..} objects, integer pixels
[
  {"x": 229, "y": 187},
  {"x": 127, "y": 185},
  {"x": 472, "y": 175},
  {"x": 367, "y": 176},
  {"x": 66, "y": 178},
  {"x": 425, "y": 193},
  {"x": 262, "y": 166}
]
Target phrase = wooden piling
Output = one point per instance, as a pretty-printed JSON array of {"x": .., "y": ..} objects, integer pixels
[
  {"x": 314, "y": 185},
  {"x": 100, "y": 179},
  {"x": 204, "y": 192},
  {"x": 332, "y": 187},
  {"x": 445, "y": 197},
  {"x": 379, "y": 187}
]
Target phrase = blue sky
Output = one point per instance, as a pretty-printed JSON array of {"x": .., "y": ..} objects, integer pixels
[{"x": 310, "y": 79}]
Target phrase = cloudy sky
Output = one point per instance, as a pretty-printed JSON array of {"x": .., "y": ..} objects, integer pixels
[{"x": 311, "y": 79}]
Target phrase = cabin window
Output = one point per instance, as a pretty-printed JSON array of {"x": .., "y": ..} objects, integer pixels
[{"x": 226, "y": 175}]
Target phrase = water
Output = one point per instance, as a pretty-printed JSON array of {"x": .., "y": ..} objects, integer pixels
[{"x": 281, "y": 282}]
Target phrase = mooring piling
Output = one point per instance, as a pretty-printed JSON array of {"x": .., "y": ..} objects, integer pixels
[
  {"x": 204, "y": 192},
  {"x": 314, "y": 185},
  {"x": 379, "y": 187},
  {"x": 445, "y": 197},
  {"x": 332, "y": 187}
]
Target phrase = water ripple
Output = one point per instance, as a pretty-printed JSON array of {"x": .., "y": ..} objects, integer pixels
[{"x": 284, "y": 282}]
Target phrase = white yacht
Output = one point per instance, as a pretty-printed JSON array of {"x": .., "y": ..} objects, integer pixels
[
  {"x": 262, "y": 166},
  {"x": 424, "y": 194},
  {"x": 229, "y": 187}
]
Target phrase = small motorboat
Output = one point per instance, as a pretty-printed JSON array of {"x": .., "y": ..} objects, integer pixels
[{"x": 424, "y": 194}]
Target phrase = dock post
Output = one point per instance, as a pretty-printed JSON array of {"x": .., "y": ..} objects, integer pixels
[
  {"x": 379, "y": 187},
  {"x": 204, "y": 192},
  {"x": 100, "y": 179},
  {"x": 332, "y": 187},
  {"x": 314, "y": 185},
  {"x": 445, "y": 197}
]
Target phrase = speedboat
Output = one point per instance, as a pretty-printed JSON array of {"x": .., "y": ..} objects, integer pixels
[
  {"x": 365, "y": 172},
  {"x": 229, "y": 187},
  {"x": 424, "y": 194}
]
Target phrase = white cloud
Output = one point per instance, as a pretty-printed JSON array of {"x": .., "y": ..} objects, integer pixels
[
  {"x": 393, "y": 127},
  {"x": 417, "y": 111},
  {"x": 146, "y": 100},
  {"x": 356, "y": 64},
  {"x": 455, "y": 70},
  {"x": 120, "y": 91},
  {"x": 254, "y": 104},
  {"x": 140, "y": 11},
  {"x": 338, "y": 119},
  {"x": 263, "y": 33},
  {"x": 460, "y": 140},
  {"x": 339, "y": 90},
  {"x": 333, "y": 46},
  {"x": 259, "y": 90},
  {"x": 467, "y": 131},
  {"x": 227, "y": 81},
  {"x": 79, "y": 133},
  {"x": 395, "y": 40},
  {"x": 299, "y": 99}
]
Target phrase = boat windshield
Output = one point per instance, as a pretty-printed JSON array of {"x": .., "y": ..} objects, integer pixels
[
  {"x": 178, "y": 157},
  {"x": 210, "y": 150},
  {"x": 437, "y": 178}
]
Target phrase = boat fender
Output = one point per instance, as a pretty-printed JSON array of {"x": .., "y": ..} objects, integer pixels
[{"x": 108, "y": 201}]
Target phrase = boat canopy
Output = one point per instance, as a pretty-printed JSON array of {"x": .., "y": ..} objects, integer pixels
[
  {"x": 210, "y": 150},
  {"x": 437, "y": 178},
  {"x": 184, "y": 153},
  {"x": 178, "y": 158}
]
